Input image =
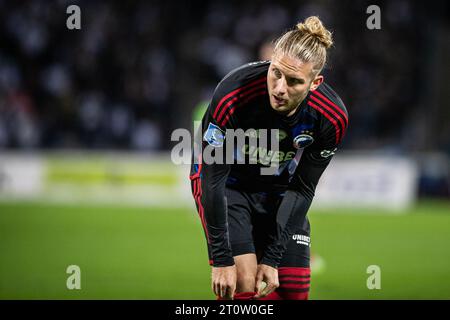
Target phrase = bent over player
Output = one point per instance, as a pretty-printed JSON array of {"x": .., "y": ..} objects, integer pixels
[{"x": 256, "y": 225}]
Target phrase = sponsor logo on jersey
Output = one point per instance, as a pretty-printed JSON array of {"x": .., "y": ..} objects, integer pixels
[
  {"x": 214, "y": 135},
  {"x": 281, "y": 135},
  {"x": 302, "y": 141},
  {"x": 301, "y": 239},
  {"x": 256, "y": 133},
  {"x": 264, "y": 156},
  {"x": 327, "y": 153}
]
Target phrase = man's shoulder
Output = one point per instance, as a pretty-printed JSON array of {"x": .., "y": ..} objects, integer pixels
[
  {"x": 238, "y": 88},
  {"x": 327, "y": 104},
  {"x": 325, "y": 95},
  {"x": 246, "y": 73}
]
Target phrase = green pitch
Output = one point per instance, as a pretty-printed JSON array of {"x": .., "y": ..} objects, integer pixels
[{"x": 145, "y": 253}]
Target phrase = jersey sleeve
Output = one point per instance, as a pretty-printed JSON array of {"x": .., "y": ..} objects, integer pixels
[
  {"x": 229, "y": 94},
  {"x": 298, "y": 198},
  {"x": 214, "y": 174}
]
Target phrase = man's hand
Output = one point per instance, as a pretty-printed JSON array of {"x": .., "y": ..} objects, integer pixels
[
  {"x": 224, "y": 281},
  {"x": 270, "y": 276}
]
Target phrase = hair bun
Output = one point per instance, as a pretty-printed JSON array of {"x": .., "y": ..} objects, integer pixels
[{"x": 315, "y": 28}]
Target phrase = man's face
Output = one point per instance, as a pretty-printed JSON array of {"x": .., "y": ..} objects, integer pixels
[{"x": 289, "y": 81}]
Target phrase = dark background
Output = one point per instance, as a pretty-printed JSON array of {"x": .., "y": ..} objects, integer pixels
[{"x": 137, "y": 69}]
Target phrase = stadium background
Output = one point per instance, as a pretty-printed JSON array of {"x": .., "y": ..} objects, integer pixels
[{"x": 86, "y": 118}]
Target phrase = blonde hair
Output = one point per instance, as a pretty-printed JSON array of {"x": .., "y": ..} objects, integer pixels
[{"x": 308, "y": 42}]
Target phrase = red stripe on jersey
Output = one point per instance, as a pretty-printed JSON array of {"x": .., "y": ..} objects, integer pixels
[
  {"x": 234, "y": 107},
  {"x": 195, "y": 193},
  {"x": 201, "y": 212},
  {"x": 333, "y": 121},
  {"x": 196, "y": 189},
  {"x": 236, "y": 97},
  {"x": 197, "y": 174},
  {"x": 200, "y": 163},
  {"x": 331, "y": 111},
  {"x": 233, "y": 93},
  {"x": 332, "y": 104}
]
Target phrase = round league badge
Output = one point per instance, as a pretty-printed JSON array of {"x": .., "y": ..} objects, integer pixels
[{"x": 302, "y": 141}]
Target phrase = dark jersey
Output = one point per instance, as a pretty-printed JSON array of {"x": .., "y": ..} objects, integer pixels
[{"x": 307, "y": 140}]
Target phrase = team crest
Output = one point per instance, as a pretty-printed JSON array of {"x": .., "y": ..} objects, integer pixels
[
  {"x": 302, "y": 141},
  {"x": 214, "y": 135}
]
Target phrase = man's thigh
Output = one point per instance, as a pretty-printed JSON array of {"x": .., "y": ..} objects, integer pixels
[
  {"x": 240, "y": 224},
  {"x": 252, "y": 226},
  {"x": 294, "y": 268}
]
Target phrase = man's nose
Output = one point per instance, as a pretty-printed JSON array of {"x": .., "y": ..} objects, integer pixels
[{"x": 280, "y": 88}]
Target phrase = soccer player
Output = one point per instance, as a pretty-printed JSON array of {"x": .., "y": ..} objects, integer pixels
[{"x": 256, "y": 225}]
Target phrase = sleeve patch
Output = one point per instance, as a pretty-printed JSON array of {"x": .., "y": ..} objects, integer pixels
[{"x": 214, "y": 135}]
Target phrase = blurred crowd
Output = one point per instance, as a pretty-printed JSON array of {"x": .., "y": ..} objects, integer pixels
[{"x": 137, "y": 69}]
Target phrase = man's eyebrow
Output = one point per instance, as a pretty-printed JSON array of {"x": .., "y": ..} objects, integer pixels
[
  {"x": 275, "y": 66},
  {"x": 299, "y": 79}
]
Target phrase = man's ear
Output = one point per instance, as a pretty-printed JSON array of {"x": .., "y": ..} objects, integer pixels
[{"x": 316, "y": 82}]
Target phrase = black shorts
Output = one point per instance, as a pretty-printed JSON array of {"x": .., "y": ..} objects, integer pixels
[{"x": 252, "y": 225}]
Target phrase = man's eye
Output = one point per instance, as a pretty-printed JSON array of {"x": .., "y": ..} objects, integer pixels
[
  {"x": 296, "y": 81},
  {"x": 277, "y": 72}
]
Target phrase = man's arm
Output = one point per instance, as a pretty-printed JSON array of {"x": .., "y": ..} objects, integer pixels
[
  {"x": 297, "y": 199},
  {"x": 214, "y": 177},
  {"x": 219, "y": 117},
  {"x": 291, "y": 213},
  {"x": 213, "y": 206},
  {"x": 295, "y": 204}
]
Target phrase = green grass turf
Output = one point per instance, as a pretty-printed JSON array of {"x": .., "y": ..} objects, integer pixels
[{"x": 149, "y": 253}]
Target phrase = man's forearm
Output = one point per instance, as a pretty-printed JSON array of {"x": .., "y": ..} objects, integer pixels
[
  {"x": 290, "y": 215},
  {"x": 215, "y": 213}
]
